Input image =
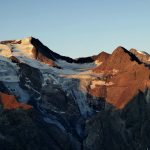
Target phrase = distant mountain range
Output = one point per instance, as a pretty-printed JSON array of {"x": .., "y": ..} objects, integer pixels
[{"x": 54, "y": 102}]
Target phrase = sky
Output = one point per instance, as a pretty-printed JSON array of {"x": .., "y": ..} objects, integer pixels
[{"x": 78, "y": 28}]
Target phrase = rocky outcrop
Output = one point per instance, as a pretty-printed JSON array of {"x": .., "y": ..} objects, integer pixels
[
  {"x": 10, "y": 102},
  {"x": 30, "y": 75},
  {"x": 142, "y": 56}
]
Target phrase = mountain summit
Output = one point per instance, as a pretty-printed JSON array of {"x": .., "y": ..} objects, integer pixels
[{"x": 60, "y": 103}]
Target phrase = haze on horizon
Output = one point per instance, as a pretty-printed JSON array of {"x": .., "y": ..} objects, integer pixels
[{"x": 78, "y": 28}]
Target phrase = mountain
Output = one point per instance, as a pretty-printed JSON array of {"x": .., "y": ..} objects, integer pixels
[
  {"x": 124, "y": 75},
  {"x": 50, "y": 101}
]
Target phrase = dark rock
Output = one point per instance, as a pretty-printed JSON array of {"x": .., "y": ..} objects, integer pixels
[{"x": 32, "y": 74}]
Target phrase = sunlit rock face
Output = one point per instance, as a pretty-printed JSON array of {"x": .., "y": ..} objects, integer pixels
[
  {"x": 127, "y": 74},
  {"x": 142, "y": 56},
  {"x": 50, "y": 101},
  {"x": 10, "y": 102}
]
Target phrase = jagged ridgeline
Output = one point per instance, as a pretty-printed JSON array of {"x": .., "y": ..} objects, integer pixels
[{"x": 54, "y": 102}]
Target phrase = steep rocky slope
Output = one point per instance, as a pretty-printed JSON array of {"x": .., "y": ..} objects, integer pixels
[
  {"x": 50, "y": 101},
  {"x": 142, "y": 56},
  {"x": 124, "y": 75}
]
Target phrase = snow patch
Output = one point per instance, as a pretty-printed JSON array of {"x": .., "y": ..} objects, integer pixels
[
  {"x": 8, "y": 71},
  {"x": 97, "y": 62},
  {"x": 3, "y": 58},
  {"x": 5, "y": 50},
  {"x": 100, "y": 82},
  {"x": 26, "y": 40},
  {"x": 33, "y": 62},
  {"x": 72, "y": 87},
  {"x": 141, "y": 52},
  {"x": 115, "y": 71},
  {"x": 16, "y": 90},
  {"x": 75, "y": 66},
  {"x": 23, "y": 50}
]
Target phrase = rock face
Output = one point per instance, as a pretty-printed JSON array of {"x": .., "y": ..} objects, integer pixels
[
  {"x": 124, "y": 76},
  {"x": 100, "y": 58},
  {"x": 9, "y": 102},
  {"x": 120, "y": 129},
  {"x": 142, "y": 56},
  {"x": 50, "y": 101}
]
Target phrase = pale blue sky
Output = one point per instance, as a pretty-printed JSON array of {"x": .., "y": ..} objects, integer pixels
[{"x": 78, "y": 27}]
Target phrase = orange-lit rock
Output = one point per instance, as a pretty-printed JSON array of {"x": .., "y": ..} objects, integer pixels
[
  {"x": 10, "y": 102},
  {"x": 142, "y": 56},
  {"x": 45, "y": 60},
  {"x": 132, "y": 77}
]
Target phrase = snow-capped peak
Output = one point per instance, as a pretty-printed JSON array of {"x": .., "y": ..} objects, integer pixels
[
  {"x": 140, "y": 52},
  {"x": 26, "y": 40}
]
